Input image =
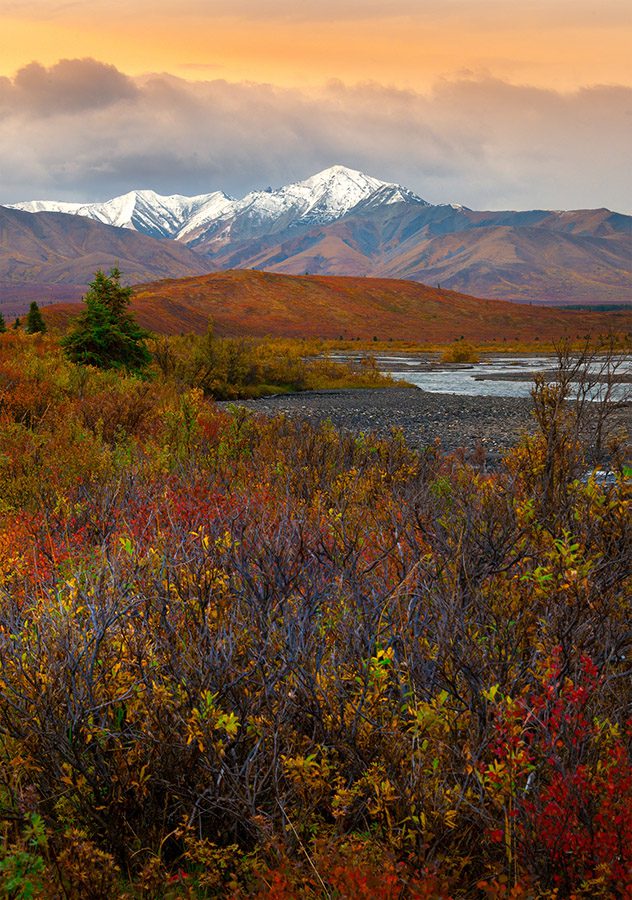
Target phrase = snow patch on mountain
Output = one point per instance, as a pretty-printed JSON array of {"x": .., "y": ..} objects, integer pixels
[
  {"x": 35, "y": 206},
  {"x": 143, "y": 211},
  {"x": 318, "y": 200}
]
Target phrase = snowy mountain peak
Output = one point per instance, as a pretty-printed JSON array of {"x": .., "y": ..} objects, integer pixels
[
  {"x": 317, "y": 200},
  {"x": 337, "y": 190},
  {"x": 342, "y": 176}
]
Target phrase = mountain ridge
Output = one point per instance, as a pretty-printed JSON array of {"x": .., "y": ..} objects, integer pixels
[
  {"x": 50, "y": 257},
  {"x": 323, "y": 197},
  {"x": 343, "y": 222}
]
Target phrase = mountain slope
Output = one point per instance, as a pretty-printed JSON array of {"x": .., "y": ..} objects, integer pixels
[
  {"x": 53, "y": 256},
  {"x": 579, "y": 257},
  {"x": 261, "y": 303},
  {"x": 343, "y": 222}
]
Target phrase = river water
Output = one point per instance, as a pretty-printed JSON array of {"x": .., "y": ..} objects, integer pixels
[{"x": 494, "y": 376}]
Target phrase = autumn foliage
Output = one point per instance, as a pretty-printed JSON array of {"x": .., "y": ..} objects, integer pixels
[
  {"x": 247, "y": 302},
  {"x": 243, "y": 657}
]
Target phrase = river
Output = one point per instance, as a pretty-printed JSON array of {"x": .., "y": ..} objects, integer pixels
[{"x": 494, "y": 376}]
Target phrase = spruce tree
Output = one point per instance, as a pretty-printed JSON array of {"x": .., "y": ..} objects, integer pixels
[
  {"x": 34, "y": 321},
  {"x": 106, "y": 334},
  {"x": 3, "y": 324}
]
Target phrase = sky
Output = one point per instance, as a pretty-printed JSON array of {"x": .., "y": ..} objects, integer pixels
[{"x": 490, "y": 103}]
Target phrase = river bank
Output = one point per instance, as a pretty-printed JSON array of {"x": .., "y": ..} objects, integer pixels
[
  {"x": 484, "y": 427},
  {"x": 492, "y": 424}
]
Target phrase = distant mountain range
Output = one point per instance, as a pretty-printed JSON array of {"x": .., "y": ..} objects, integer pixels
[
  {"x": 209, "y": 220},
  {"x": 343, "y": 222}
]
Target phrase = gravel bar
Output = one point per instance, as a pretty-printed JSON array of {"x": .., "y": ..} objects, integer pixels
[{"x": 494, "y": 423}]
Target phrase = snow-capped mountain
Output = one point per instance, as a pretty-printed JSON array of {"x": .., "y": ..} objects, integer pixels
[
  {"x": 337, "y": 222},
  {"x": 143, "y": 211},
  {"x": 324, "y": 197},
  {"x": 216, "y": 218}
]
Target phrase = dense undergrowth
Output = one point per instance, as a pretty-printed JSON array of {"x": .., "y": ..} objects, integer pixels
[
  {"x": 244, "y": 657},
  {"x": 227, "y": 368}
]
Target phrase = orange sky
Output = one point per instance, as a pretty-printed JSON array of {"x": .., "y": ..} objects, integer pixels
[{"x": 408, "y": 43}]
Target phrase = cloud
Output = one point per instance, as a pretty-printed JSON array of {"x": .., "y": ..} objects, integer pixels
[
  {"x": 70, "y": 86},
  {"x": 83, "y": 130}
]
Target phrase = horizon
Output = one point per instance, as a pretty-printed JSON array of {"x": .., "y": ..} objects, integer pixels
[{"x": 268, "y": 188}]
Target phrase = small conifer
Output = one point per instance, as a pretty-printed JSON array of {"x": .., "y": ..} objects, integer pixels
[
  {"x": 106, "y": 335},
  {"x": 34, "y": 321}
]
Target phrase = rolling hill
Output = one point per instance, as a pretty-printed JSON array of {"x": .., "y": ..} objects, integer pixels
[
  {"x": 50, "y": 257},
  {"x": 257, "y": 303}
]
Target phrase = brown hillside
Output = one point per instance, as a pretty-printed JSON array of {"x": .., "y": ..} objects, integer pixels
[
  {"x": 53, "y": 256},
  {"x": 247, "y": 302},
  {"x": 578, "y": 257}
]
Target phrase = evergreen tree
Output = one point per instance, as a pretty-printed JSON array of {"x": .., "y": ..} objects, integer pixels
[
  {"x": 106, "y": 334},
  {"x": 3, "y": 324},
  {"x": 17, "y": 324},
  {"x": 34, "y": 320}
]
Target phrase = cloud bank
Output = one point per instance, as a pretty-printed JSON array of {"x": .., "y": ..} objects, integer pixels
[{"x": 82, "y": 130}]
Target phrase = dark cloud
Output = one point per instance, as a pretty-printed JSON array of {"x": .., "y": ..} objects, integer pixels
[{"x": 481, "y": 142}]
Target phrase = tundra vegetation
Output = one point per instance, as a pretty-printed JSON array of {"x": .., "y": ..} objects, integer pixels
[
  {"x": 228, "y": 368},
  {"x": 244, "y": 657}
]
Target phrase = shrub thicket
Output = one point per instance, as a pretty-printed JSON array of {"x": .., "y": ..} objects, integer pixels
[
  {"x": 247, "y": 657},
  {"x": 460, "y": 352},
  {"x": 227, "y": 368}
]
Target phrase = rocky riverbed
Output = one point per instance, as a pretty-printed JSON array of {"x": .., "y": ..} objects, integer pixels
[
  {"x": 476, "y": 424},
  {"x": 473, "y": 423}
]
